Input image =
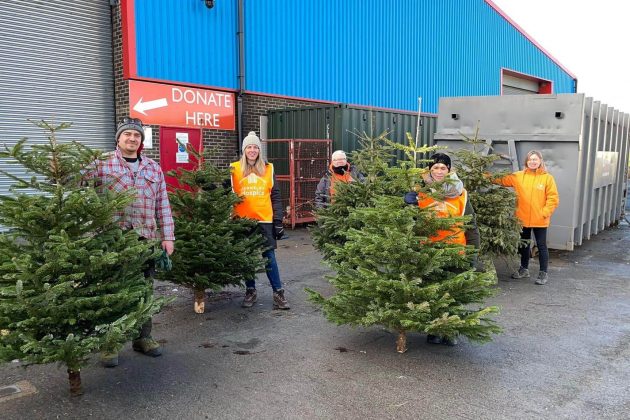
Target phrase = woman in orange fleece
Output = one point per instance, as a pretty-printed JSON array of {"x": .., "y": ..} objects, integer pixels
[{"x": 536, "y": 200}]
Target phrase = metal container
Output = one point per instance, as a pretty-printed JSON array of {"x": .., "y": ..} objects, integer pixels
[
  {"x": 343, "y": 124},
  {"x": 584, "y": 144}
]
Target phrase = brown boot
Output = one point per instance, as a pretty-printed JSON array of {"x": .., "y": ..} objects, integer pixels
[
  {"x": 250, "y": 298},
  {"x": 147, "y": 346},
  {"x": 279, "y": 301}
]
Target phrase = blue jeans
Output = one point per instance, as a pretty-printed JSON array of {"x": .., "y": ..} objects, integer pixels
[
  {"x": 273, "y": 274},
  {"x": 541, "y": 243}
]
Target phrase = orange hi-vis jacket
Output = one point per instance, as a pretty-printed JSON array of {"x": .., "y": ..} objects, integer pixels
[
  {"x": 536, "y": 196},
  {"x": 255, "y": 191},
  {"x": 449, "y": 207}
]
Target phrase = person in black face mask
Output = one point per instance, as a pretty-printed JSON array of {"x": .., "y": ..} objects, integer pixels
[{"x": 338, "y": 171}]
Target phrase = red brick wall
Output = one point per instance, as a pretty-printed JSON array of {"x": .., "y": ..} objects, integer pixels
[{"x": 224, "y": 145}]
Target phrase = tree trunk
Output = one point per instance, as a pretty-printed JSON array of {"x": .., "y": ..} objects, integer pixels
[
  {"x": 74, "y": 376},
  {"x": 200, "y": 301},
  {"x": 401, "y": 342}
]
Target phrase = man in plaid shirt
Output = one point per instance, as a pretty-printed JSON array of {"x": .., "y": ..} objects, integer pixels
[{"x": 149, "y": 215}]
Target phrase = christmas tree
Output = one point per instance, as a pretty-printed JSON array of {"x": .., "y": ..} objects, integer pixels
[
  {"x": 214, "y": 249},
  {"x": 494, "y": 205},
  {"x": 71, "y": 281},
  {"x": 373, "y": 162},
  {"x": 387, "y": 270}
]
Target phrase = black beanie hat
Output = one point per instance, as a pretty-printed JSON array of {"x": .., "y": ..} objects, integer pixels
[
  {"x": 130, "y": 124},
  {"x": 441, "y": 158}
]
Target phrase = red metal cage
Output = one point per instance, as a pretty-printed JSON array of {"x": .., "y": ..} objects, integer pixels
[{"x": 299, "y": 164}]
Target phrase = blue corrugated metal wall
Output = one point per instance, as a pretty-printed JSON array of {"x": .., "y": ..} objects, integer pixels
[
  {"x": 366, "y": 52},
  {"x": 183, "y": 41}
]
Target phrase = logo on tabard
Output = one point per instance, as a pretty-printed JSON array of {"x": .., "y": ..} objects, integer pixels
[
  {"x": 254, "y": 179},
  {"x": 540, "y": 186}
]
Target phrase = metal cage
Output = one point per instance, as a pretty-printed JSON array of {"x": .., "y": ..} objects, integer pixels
[{"x": 299, "y": 164}]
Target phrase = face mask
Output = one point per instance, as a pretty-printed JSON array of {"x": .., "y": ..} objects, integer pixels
[{"x": 339, "y": 170}]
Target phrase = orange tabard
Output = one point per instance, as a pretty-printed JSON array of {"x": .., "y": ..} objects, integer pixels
[
  {"x": 450, "y": 207},
  {"x": 255, "y": 191},
  {"x": 334, "y": 178}
]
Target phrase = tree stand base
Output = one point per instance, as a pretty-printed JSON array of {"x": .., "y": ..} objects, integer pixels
[
  {"x": 401, "y": 342},
  {"x": 200, "y": 301},
  {"x": 74, "y": 376}
]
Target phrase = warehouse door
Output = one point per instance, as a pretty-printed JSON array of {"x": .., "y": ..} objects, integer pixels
[
  {"x": 514, "y": 83},
  {"x": 515, "y": 86},
  {"x": 56, "y": 64}
]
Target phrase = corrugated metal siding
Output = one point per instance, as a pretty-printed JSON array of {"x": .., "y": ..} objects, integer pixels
[
  {"x": 184, "y": 41},
  {"x": 386, "y": 54},
  {"x": 365, "y": 52},
  {"x": 55, "y": 64},
  {"x": 344, "y": 124}
]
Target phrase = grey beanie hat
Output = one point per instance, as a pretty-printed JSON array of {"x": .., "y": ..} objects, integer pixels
[
  {"x": 251, "y": 138},
  {"x": 130, "y": 124}
]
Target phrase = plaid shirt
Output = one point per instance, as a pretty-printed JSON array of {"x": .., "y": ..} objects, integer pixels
[{"x": 151, "y": 209}]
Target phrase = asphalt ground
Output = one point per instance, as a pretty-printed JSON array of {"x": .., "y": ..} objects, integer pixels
[{"x": 564, "y": 353}]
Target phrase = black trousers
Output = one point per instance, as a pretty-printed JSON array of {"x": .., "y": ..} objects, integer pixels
[{"x": 541, "y": 242}]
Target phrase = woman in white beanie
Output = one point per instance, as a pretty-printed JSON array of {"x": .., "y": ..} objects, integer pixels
[{"x": 254, "y": 181}]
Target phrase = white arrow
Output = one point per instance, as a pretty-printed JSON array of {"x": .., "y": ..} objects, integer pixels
[{"x": 145, "y": 106}]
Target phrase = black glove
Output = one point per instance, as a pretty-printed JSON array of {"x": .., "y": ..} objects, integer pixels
[
  {"x": 411, "y": 198},
  {"x": 278, "y": 230}
]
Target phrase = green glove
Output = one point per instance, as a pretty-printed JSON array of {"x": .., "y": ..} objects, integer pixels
[{"x": 164, "y": 262}]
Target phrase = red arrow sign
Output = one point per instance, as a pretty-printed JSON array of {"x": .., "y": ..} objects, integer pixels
[{"x": 180, "y": 106}]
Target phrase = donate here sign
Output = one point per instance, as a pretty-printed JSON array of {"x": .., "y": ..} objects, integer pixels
[{"x": 180, "y": 106}]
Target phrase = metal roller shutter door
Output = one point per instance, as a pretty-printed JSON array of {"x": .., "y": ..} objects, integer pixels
[
  {"x": 519, "y": 86},
  {"x": 511, "y": 90},
  {"x": 56, "y": 64}
]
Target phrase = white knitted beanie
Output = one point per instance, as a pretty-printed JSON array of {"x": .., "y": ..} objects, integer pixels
[{"x": 251, "y": 138}]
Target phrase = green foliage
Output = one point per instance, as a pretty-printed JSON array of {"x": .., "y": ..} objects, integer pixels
[
  {"x": 387, "y": 270},
  {"x": 405, "y": 175},
  {"x": 332, "y": 221},
  {"x": 68, "y": 274},
  {"x": 213, "y": 248},
  {"x": 373, "y": 159},
  {"x": 494, "y": 205}
]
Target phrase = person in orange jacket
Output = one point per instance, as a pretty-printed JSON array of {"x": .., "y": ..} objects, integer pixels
[
  {"x": 454, "y": 204},
  {"x": 254, "y": 181},
  {"x": 536, "y": 200},
  {"x": 339, "y": 170}
]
